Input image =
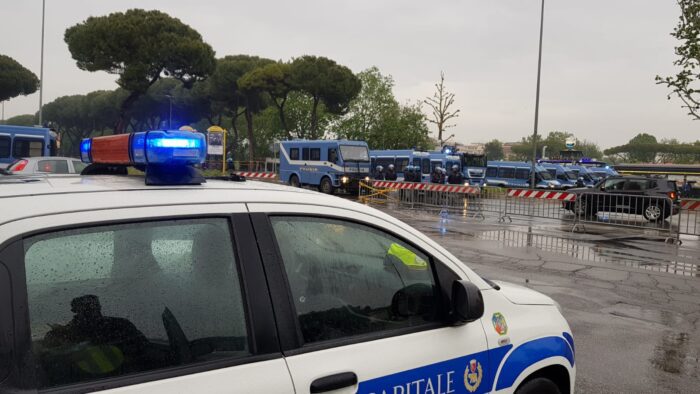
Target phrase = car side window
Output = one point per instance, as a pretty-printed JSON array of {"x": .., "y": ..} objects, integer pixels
[
  {"x": 333, "y": 156},
  {"x": 522, "y": 173},
  {"x": 612, "y": 185},
  {"x": 5, "y": 143},
  {"x": 635, "y": 185},
  {"x": 506, "y": 172},
  {"x": 123, "y": 299},
  {"x": 78, "y": 166},
  {"x": 294, "y": 154},
  {"x": 341, "y": 290},
  {"x": 315, "y": 154},
  {"x": 492, "y": 172},
  {"x": 27, "y": 147},
  {"x": 53, "y": 166}
]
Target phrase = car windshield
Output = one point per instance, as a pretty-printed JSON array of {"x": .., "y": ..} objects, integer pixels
[
  {"x": 354, "y": 153},
  {"x": 571, "y": 175},
  {"x": 474, "y": 161},
  {"x": 545, "y": 175}
]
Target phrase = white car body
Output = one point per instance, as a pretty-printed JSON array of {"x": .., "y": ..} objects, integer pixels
[{"x": 435, "y": 360}]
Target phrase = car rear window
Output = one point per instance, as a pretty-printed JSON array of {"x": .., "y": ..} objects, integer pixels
[{"x": 5, "y": 143}]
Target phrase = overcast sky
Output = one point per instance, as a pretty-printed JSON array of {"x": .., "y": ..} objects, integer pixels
[{"x": 599, "y": 56}]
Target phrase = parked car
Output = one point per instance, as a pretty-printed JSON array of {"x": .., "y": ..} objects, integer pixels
[
  {"x": 655, "y": 199},
  {"x": 45, "y": 165}
]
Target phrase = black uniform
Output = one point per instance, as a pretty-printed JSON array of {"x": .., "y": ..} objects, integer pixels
[{"x": 455, "y": 178}]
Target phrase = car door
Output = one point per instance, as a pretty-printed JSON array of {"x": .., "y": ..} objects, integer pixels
[
  {"x": 137, "y": 303},
  {"x": 613, "y": 199},
  {"x": 361, "y": 305}
]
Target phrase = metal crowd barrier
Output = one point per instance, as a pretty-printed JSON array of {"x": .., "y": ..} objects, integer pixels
[
  {"x": 617, "y": 209},
  {"x": 689, "y": 217},
  {"x": 537, "y": 203},
  {"x": 627, "y": 210},
  {"x": 468, "y": 199}
]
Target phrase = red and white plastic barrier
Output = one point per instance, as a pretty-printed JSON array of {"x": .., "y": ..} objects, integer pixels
[
  {"x": 542, "y": 194},
  {"x": 262, "y": 175},
  {"x": 431, "y": 187},
  {"x": 690, "y": 205}
]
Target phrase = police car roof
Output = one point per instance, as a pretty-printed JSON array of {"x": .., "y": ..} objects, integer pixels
[
  {"x": 324, "y": 142},
  {"x": 24, "y": 196}
]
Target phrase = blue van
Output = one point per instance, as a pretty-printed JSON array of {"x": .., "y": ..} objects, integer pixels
[
  {"x": 18, "y": 142},
  {"x": 583, "y": 174},
  {"x": 563, "y": 174},
  {"x": 517, "y": 174},
  {"x": 399, "y": 158},
  {"x": 326, "y": 164}
]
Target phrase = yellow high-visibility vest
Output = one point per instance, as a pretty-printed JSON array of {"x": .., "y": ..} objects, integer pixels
[{"x": 408, "y": 258}]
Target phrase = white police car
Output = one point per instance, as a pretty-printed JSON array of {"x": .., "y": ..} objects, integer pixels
[{"x": 241, "y": 287}]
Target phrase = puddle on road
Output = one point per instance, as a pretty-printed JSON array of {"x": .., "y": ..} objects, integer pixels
[
  {"x": 673, "y": 355},
  {"x": 614, "y": 252}
]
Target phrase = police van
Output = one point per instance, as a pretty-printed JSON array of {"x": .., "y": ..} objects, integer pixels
[
  {"x": 517, "y": 174},
  {"x": 399, "y": 158},
  {"x": 18, "y": 142},
  {"x": 566, "y": 177},
  {"x": 168, "y": 282},
  {"x": 325, "y": 164}
]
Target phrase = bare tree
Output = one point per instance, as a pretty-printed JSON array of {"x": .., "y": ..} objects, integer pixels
[{"x": 440, "y": 103}]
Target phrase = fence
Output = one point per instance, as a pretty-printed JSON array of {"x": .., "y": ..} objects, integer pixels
[
  {"x": 617, "y": 209},
  {"x": 689, "y": 217}
]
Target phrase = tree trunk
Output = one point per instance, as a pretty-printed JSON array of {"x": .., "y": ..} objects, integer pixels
[
  {"x": 280, "y": 111},
  {"x": 251, "y": 136},
  {"x": 123, "y": 121},
  {"x": 314, "y": 117}
]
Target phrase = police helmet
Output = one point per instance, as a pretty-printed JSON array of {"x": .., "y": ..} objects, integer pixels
[
  {"x": 391, "y": 167},
  {"x": 455, "y": 167},
  {"x": 380, "y": 168}
]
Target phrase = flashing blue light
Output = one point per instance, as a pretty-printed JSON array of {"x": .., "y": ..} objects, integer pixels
[
  {"x": 169, "y": 148},
  {"x": 85, "y": 146},
  {"x": 174, "y": 143}
]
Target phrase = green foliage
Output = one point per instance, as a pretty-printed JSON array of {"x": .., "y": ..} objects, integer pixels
[
  {"x": 376, "y": 117},
  {"x": 684, "y": 83},
  {"x": 140, "y": 46},
  {"x": 81, "y": 116},
  {"x": 273, "y": 79},
  {"x": 494, "y": 150},
  {"x": 326, "y": 82},
  {"x": 15, "y": 80},
  {"x": 555, "y": 142},
  {"x": 22, "y": 120},
  {"x": 645, "y": 148}
]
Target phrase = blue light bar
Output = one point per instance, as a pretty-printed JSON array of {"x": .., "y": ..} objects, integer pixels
[
  {"x": 85, "y": 146},
  {"x": 168, "y": 147}
]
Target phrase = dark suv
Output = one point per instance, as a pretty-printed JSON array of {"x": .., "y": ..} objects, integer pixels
[{"x": 654, "y": 198}]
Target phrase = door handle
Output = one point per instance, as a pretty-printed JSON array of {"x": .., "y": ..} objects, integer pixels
[{"x": 333, "y": 382}]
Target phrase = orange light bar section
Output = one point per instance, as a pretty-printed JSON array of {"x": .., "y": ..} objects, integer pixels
[{"x": 113, "y": 149}]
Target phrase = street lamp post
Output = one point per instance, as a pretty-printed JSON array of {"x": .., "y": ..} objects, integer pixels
[
  {"x": 537, "y": 102},
  {"x": 170, "y": 111},
  {"x": 41, "y": 67}
]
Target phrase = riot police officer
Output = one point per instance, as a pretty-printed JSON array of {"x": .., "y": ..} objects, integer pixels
[
  {"x": 379, "y": 173},
  {"x": 437, "y": 176},
  {"x": 455, "y": 177},
  {"x": 390, "y": 173}
]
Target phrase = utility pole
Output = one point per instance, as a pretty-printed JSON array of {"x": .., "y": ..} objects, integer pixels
[
  {"x": 170, "y": 111},
  {"x": 537, "y": 103},
  {"x": 41, "y": 67}
]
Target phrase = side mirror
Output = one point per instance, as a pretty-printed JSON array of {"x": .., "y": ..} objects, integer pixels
[{"x": 467, "y": 302}]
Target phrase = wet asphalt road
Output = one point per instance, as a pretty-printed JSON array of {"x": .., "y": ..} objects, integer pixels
[{"x": 633, "y": 301}]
